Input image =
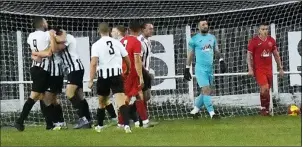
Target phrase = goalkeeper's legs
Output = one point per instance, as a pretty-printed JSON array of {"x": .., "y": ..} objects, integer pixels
[
  {"x": 198, "y": 104},
  {"x": 207, "y": 101}
]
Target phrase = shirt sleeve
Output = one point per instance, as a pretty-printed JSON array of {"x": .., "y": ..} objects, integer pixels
[
  {"x": 191, "y": 44},
  {"x": 94, "y": 51},
  {"x": 47, "y": 35},
  {"x": 251, "y": 46},
  {"x": 137, "y": 47},
  {"x": 123, "y": 51}
]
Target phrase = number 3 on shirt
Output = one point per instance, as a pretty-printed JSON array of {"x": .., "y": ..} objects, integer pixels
[{"x": 110, "y": 44}]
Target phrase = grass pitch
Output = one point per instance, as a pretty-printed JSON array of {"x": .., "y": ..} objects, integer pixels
[{"x": 240, "y": 131}]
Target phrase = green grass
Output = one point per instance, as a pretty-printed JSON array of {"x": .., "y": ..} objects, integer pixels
[{"x": 253, "y": 131}]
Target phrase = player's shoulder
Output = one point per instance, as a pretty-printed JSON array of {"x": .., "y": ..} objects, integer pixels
[
  {"x": 271, "y": 38},
  {"x": 211, "y": 36},
  {"x": 141, "y": 38}
]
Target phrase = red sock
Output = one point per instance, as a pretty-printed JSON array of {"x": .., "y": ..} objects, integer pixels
[
  {"x": 263, "y": 101},
  {"x": 141, "y": 110},
  {"x": 120, "y": 118},
  {"x": 267, "y": 97}
]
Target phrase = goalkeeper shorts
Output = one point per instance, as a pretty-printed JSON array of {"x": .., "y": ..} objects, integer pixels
[{"x": 204, "y": 77}]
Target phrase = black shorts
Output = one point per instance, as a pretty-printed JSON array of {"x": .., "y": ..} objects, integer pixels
[
  {"x": 147, "y": 80},
  {"x": 76, "y": 78},
  {"x": 114, "y": 83},
  {"x": 40, "y": 79},
  {"x": 55, "y": 84}
]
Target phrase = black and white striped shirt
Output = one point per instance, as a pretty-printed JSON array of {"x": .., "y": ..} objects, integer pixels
[
  {"x": 109, "y": 52},
  {"x": 70, "y": 57},
  {"x": 56, "y": 65},
  {"x": 146, "y": 51},
  {"x": 39, "y": 41}
]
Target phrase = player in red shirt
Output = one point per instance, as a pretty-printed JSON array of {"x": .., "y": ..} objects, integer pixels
[
  {"x": 259, "y": 59},
  {"x": 133, "y": 83}
]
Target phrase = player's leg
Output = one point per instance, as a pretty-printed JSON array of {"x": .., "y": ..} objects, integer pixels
[
  {"x": 262, "y": 81},
  {"x": 40, "y": 83},
  {"x": 141, "y": 109},
  {"x": 117, "y": 88},
  {"x": 103, "y": 91},
  {"x": 111, "y": 110},
  {"x": 73, "y": 93},
  {"x": 147, "y": 86},
  {"x": 49, "y": 109},
  {"x": 202, "y": 80}
]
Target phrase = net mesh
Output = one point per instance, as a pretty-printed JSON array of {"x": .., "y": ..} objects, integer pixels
[{"x": 233, "y": 23}]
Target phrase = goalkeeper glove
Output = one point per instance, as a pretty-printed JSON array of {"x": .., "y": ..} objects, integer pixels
[
  {"x": 222, "y": 66},
  {"x": 187, "y": 75}
]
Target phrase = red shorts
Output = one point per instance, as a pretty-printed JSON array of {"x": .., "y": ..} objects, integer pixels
[
  {"x": 131, "y": 86},
  {"x": 263, "y": 77}
]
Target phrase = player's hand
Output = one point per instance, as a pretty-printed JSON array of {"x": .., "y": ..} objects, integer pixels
[
  {"x": 222, "y": 66},
  {"x": 187, "y": 75},
  {"x": 281, "y": 72},
  {"x": 90, "y": 84},
  {"x": 37, "y": 59},
  {"x": 250, "y": 73},
  {"x": 52, "y": 32}
]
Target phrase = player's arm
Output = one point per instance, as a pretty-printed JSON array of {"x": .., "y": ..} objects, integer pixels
[
  {"x": 125, "y": 58},
  {"x": 138, "y": 61},
  {"x": 48, "y": 51},
  {"x": 189, "y": 59},
  {"x": 93, "y": 64},
  {"x": 219, "y": 56},
  {"x": 277, "y": 56},
  {"x": 250, "y": 57}
]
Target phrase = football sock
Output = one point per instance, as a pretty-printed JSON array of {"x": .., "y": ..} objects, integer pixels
[
  {"x": 26, "y": 109},
  {"x": 263, "y": 101},
  {"x": 77, "y": 104},
  {"x": 208, "y": 104},
  {"x": 267, "y": 97},
  {"x": 110, "y": 109},
  {"x": 124, "y": 110},
  {"x": 58, "y": 113},
  {"x": 49, "y": 115},
  {"x": 199, "y": 102},
  {"x": 133, "y": 112},
  {"x": 120, "y": 119},
  {"x": 43, "y": 107},
  {"x": 100, "y": 116},
  {"x": 85, "y": 109},
  {"x": 141, "y": 109}
]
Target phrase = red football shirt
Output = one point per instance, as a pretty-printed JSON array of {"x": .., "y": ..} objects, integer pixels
[
  {"x": 262, "y": 52},
  {"x": 133, "y": 46}
]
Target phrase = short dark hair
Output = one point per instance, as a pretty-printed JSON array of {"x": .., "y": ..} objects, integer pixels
[
  {"x": 38, "y": 20},
  {"x": 121, "y": 29},
  {"x": 145, "y": 23},
  {"x": 263, "y": 24},
  {"x": 135, "y": 26},
  {"x": 203, "y": 19},
  {"x": 103, "y": 28},
  {"x": 58, "y": 30}
]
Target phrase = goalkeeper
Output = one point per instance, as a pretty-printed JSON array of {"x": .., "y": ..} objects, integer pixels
[{"x": 203, "y": 45}]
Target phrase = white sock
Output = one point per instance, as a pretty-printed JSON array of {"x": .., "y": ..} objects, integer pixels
[{"x": 211, "y": 113}]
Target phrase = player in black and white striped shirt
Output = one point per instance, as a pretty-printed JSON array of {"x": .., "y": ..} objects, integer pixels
[
  {"x": 75, "y": 72},
  {"x": 147, "y": 31},
  {"x": 41, "y": 43},
  {"x": 107, "y": 54}
]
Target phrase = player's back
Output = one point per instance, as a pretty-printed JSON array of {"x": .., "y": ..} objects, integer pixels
[
  {"x": 203, "y": 46},
  {"x": 39, "y": 41},
  {"x": 133, "y": 46},
  {"x": 109, "y": 52},
  {"x": 70, "y": 56}
]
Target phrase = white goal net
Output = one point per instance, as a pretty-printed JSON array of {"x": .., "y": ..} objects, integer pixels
[{"x": 232, "y": 22}]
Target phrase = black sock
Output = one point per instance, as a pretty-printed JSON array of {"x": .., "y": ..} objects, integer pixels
[
  {"x": 133, "y": 113},
  {"x": 77, "y": 105},
  {"x": 100, "y": 116},
  {"x": 110, "y": 109},
  {"x": 58, "y": 113},
  {"x": 43, "y": 107},
  {"x": 25, "y": 111},
  {"x": 86, "y": 111},
  {"x": 49, "y": 115},
  {"x": 124, "y": 110}
]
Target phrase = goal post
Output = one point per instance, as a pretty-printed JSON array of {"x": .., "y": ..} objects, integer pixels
[{"x": 232, "y": 22}]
